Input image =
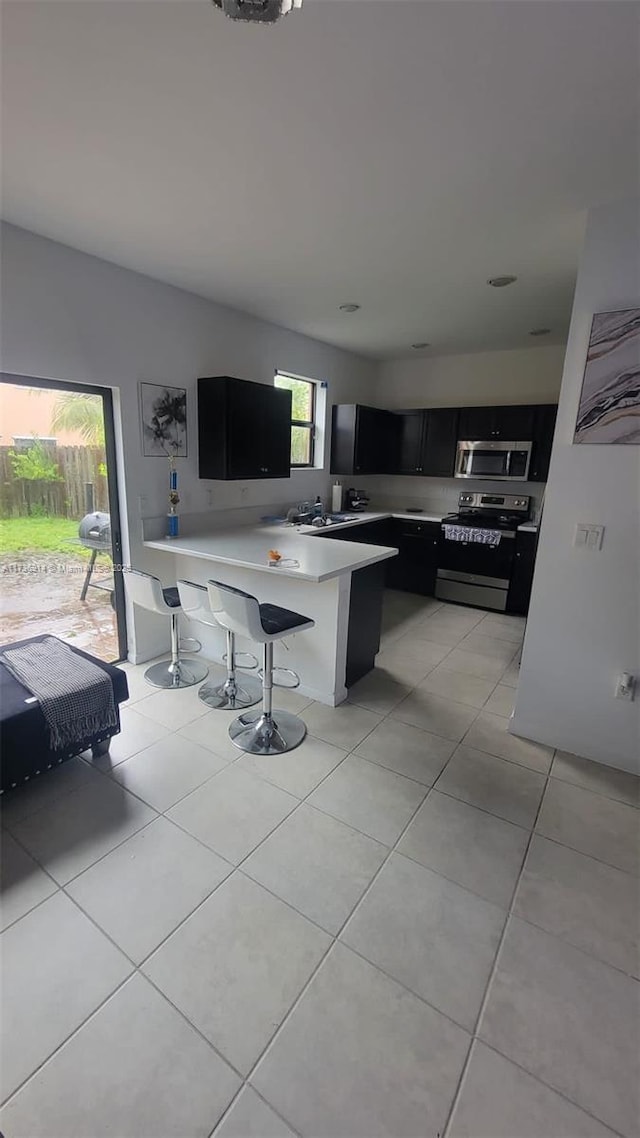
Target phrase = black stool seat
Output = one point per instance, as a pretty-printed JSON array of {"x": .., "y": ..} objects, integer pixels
[{"x": 275, "y": 619}]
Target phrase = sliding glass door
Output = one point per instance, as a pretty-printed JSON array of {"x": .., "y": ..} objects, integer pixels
[{"x": 60, "y": 540}]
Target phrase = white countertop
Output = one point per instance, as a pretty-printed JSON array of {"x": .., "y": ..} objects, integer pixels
[
  {"x": 409, "y": 516},
  {"x": 248, "y": 546},
  {"x": 363, "y": 518}
]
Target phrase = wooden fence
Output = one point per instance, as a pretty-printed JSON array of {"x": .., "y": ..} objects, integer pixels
[{"x": 79, "y": 468}]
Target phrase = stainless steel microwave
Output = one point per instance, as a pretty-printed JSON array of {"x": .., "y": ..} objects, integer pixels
[{"x": 493, "y": 461}]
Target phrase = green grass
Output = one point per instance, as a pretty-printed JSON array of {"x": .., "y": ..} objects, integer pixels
[{"x": 40, "y": 535}]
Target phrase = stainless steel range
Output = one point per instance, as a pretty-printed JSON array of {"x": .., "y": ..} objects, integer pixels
[{"x": 477, "y": 548}]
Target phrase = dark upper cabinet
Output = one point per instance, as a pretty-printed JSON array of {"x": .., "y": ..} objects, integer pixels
[
  {"x": 363, "y": 440},
  {"x": 441, "y": 437},
  {"x": 543, "y": 428},
  {"x": 426, "y": 442},
  {"x": 423, "y": 441},
  {"x": 514, "y": 422},
  {"x": 476, "y": 422},
  {"x": 244, "y": 429},
  {"x": 411, "y": 429}
]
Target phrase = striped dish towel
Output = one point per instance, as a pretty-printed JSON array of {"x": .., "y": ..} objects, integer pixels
[{"x": 470, "y": 533}]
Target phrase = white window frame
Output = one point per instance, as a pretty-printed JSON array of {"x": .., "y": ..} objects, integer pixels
[{"x": 315, "y": 425}]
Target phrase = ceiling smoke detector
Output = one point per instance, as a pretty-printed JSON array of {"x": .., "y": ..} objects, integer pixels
[
  {"x": 257, "y": 11},
  {"x": 501, "y": 282},
  {"x": 419, "y": 347},
  {"x": 539, "y": 332},
  {"x": 349, "y": 307}
]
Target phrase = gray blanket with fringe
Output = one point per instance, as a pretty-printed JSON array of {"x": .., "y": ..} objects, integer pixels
[{"x": 76, "y": 697}]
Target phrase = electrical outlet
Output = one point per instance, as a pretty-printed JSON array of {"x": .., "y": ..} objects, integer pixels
[{"x": 626, "y": 686}]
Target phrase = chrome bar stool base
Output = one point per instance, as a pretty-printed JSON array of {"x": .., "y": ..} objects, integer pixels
[
  {"x": 232, "y": 695},
  {"x": 267, "y": 734},
  {"x": 183, "y": 674},
  {"x": 235, "y": 693}
]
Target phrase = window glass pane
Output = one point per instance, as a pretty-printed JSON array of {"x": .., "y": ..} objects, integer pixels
[
  {"x": 302, "y": 396},
  {"x": 300, "y": 446}
]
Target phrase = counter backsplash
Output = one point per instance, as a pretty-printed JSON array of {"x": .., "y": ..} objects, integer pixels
[
  {"x": 438, "y": 495},
  {"x": 431, "y": 495}
]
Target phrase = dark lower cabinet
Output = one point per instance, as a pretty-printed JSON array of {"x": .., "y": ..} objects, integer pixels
[
  {"x": 371, "y": 533},
  {"x": 365, "y": 620},
  {"x": 244, "y": 429},
  {"x": 414, "y": 569},
  {"x": 522, "y": 572}
]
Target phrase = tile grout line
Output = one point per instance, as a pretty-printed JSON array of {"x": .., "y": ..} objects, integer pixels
[
  {"x": 475, "y": 1037},
  {"x": 245, "y": 1080},
  {"x": 485, "y": 998},
  {"x": 335, "y": 937}
]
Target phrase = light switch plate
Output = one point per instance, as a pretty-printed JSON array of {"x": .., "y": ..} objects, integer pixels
[{"x": 587, "y": 536}]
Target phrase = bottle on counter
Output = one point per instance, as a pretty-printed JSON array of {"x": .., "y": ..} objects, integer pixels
[
  {"x": 318, "y": 508},
  {"x": 336, "y": 497}
]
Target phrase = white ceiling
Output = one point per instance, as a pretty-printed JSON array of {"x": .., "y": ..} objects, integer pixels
[{"x": 394, "y": 153}]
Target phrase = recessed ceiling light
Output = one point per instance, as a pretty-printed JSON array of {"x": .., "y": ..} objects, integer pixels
[
  {"x": 349, "y": 307},
  {"x": 501, "y": 282},
  {"x": 418, "y": 347},
  {"x": 539, "y": 331}
]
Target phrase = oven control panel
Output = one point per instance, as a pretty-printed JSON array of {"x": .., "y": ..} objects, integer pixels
[{"x": 513, "y": 503}]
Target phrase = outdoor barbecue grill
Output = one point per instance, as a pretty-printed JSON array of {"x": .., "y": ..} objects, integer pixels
[{"x": 94, "y": 533}]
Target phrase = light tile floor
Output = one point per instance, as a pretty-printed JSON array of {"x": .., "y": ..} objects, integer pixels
[{"x": 416, "y": 924}]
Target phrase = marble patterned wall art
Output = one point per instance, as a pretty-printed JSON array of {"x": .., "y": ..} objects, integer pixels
[
  {"x": 163, "y": 414},
  {"x": 609, "y": 410}
]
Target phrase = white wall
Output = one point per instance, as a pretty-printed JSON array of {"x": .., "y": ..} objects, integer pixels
[
  {"x": 527, "y": 375},
  {"x": 584, "y": 620},
  {"x": 69, "y": 316}
]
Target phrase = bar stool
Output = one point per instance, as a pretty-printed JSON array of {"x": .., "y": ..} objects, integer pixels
[
  {"x": 264, "y": 732},
  {"x": 231, "y": 695},
  {"x": 148, "y": 592}
]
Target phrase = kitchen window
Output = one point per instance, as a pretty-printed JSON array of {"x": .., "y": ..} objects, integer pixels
[{"x": 303, "y": 416}]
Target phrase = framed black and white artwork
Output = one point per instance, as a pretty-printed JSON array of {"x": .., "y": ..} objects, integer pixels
[
  {"x": 609, "y": 410},
  {"x": 163, "y": 415}
]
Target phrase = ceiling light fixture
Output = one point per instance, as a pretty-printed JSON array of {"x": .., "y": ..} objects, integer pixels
[
  {"x": 349, "y": 307},
  {"x": 539, "y": 331},
  {"x": 257, "y": 11},
  {"x": 418, "y": 347},
  {"x": 501, "y": 282}
]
